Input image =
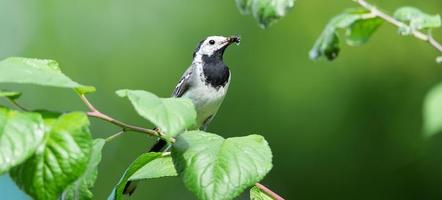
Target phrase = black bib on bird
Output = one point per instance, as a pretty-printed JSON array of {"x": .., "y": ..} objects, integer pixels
[{"x": 216, "y": 72}]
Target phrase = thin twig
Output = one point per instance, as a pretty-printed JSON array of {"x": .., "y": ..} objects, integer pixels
[
  {"x": 88, "y": 103},
  {"x": 416, "y": 33},
  {"x": 126, "y": 127},
  {"x": 268, "y": 191},
  {"x": 434, "y": 42}
]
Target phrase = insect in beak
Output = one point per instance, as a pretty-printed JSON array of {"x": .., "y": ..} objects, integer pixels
[{"x": 234, "y": 39}]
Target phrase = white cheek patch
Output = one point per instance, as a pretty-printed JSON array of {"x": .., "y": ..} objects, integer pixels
[{"x": 207, "y": 49}]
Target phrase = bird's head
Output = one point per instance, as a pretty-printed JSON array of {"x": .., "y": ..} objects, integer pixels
[{"x": 215, "y": 46}]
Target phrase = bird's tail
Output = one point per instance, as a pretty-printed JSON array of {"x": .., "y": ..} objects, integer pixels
[
  {"x": 130, "y": 187},
  {"x": 159, "y": 146}
]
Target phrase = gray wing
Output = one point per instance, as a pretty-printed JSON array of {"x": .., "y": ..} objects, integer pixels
[{"x": 184, "y": 83}]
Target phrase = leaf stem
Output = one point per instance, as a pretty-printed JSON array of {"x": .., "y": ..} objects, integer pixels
[
  {"x": 416, "y": 33},
  {"x": 112, "y": 137},
  {"x": 16, "y": 104},
  {"x": 268, "y": 191},
  {"x": 126, "y": 127}
]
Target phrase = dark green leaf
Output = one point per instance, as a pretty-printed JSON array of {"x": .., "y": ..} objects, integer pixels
[
  {"x": 433, "y": 111},
  {"x": 59, "y": 161},
  {"x": 39, "y": 72},
  {"x": 257, "y": 194},
  {"x": 216, "y": 168},
  {"x": 359, "y": 25},
  {"x": 265, "y": 11},
  {"x": 361, "y": 30},
  {"x": 20, "y": 135},
  {"x": 416, "y": 19},
  {"x": 141, "y": 161},
  {"x": 10, "y": 94},
  {"x": 327, "y": 45},
  {"x": 79, "y": 190},
  {"x": 171, "y": 115}
]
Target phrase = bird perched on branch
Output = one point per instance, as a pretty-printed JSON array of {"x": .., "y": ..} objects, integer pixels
[{"x": 205, "y": 83}]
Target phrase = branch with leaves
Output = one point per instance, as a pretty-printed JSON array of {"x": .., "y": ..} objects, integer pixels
[
  {"x": 52, "y": 155},
  {"x": 125, "y": 127},
  {"x": 417, "y": 21},
  {"x": 360, "y": 24}
]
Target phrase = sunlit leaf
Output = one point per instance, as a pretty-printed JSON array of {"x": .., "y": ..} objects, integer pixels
[
  {"x": 145, "y": 168},
  {"x": 359, "y": 25},
  {"x": 416, "y": 19},
  {"x": 171, "y": 115},
  {"x": 59, "y": 161},
  {"x": 39, "y": 72},
  {"x": 80, "y": 189},
  {"x": 216, "y": 168},
  {"x": 20, "y": 135},
  {"x": 160, "y": 167},
  {"x": 432, "y": 111},
  {"x": 265, "y": 11},
  {"x": 10, "y": 94},
  {"x": 257, "y": 194},
  {"x": 439, "y": 59}
]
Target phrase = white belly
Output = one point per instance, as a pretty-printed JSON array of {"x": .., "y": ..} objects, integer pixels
[{"x": 207, "y": 100}]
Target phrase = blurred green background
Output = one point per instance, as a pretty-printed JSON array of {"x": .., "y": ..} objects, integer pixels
[{"x": 349, "y": 129}]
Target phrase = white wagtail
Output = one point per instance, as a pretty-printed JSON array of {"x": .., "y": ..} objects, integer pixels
[{"x": 205, "y": 83}]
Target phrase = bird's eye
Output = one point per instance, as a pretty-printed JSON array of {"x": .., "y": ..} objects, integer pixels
[{"x": 212, "y": 42}]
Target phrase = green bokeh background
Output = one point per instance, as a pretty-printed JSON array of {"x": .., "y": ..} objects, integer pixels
[{"x": 349, "y": 129}]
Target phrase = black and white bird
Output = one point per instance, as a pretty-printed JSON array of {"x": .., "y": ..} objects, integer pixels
[{"x": 205, "y": 83}]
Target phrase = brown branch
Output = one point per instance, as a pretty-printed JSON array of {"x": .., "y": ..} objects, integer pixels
[
  {"x": 416, "y": 33},
  {"x": 268, "y": 192},
  {"x": 126, "y": 127}
]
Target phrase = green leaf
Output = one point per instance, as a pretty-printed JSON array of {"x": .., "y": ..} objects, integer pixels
[
  {"x": 359, "y": 25},
  {"x": 216, "y": 168},
  {"x": 171, "y": 115},
  {"x": 257, "y": 194},
  {"x": 433, "y": 111},
  {"x": 160, "y": 167},
  {"x": 60, "y": 160},
  {"x": 360, "y": 31},
  {"x": 79, "y": 190},
  {"x": 416, "y": 19},
  {"x": 147, "y": 166},
  {"x": 326, "y": 45},
  {"x": 20, "y": 135},
  {"x": 10, "y": 94},
  {"x": 439, "y": 59},
  {"x": 39, "y": 72},
  {"x": 265, "y": 11},
  {"x": 244, "y": 5},
  {"x": 141, "y": 161}
]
